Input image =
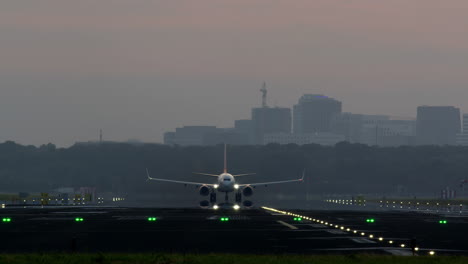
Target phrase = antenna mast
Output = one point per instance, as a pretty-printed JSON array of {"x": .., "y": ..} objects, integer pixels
[{"x": 264, "y": 95}]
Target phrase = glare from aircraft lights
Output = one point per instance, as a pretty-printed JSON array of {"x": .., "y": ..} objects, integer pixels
[
  {"x": 215, "y": 207},
  {"x": 6, "y": 219},
  {"x": 236, "y": 207},
  {"x": 416, "y": 249},
  {"x": 402, "y": 245},
  {"x": 79, "y": 219},
  {"x": 236, "y": 186},
  {"x": 216, "y": 186},
  {"x": 152, "y": 219},
  {"x": 432, "y": 253}
]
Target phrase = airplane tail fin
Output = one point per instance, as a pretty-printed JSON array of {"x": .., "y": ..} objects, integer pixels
[
  {"x": 225, "y": 158},
  {"x": 147, "y": 175}
]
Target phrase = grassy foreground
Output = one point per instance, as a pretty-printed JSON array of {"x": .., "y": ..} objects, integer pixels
[{"x": 219, "y": 259}]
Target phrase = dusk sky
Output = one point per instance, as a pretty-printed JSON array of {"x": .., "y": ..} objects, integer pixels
[{"x": 138, "y": 68}]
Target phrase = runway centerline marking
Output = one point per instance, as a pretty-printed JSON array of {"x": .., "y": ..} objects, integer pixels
[
  {"x": 288, "y": 225},
  {"x": 363, "y": 241}
]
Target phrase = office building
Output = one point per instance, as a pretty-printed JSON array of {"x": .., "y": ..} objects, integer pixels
[
  {"x": 437, "y": 125},
  {"x": 462, "y": 138},
  {"x": 314, "y": 114},
  {"x": 328, "y": 139},
  {"x": 266, "y": 120}
]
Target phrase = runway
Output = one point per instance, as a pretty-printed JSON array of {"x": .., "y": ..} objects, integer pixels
[{"x": 256, "y": 231}]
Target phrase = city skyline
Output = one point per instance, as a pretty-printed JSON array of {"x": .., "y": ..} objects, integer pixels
[{"x": 136, "y": 70}]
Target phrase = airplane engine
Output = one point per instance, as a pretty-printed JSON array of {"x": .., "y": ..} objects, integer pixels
[
  {"x": 204, "y": 190},
  {"x": 247, "y": 191},
  {"x": 204, "y": 204},
  {"x": 247, "y": 204}
]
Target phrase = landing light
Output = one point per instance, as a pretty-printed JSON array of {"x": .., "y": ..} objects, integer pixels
[
  {"x": 236, "y": 186},
  {"x": 216, "y": 186}
]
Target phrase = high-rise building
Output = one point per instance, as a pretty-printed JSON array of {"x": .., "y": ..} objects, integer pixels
[
  {"x": 462, "y": 138},
  {"x": 245, "y": 126},
  {"x": 267, "y": 120},
  {"x": 314, "y": 113},
  {"x": 437, "y": 125}
]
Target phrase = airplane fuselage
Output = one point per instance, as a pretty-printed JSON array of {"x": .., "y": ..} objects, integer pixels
[{"x": 226, "y": 183}]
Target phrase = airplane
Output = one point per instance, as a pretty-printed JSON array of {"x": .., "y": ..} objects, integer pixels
[{"x": 226, "y": 183}]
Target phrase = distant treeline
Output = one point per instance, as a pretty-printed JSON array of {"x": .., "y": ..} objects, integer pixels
[{"x": 342, "y": 168}]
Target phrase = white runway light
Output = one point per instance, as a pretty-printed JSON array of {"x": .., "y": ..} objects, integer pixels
[
  {"x": 215, "y": 207},
  {"x": 236, "y": 207}
]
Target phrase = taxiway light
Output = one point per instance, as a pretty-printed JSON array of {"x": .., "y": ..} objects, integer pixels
[
  {"x": 370, "y": 220},
  {"x": 224, "y": 219},
  {"x": 79, "y": 219},
  {"x": 6, "y": 219},
  {"x": 443, "y": 222},
  {"x": 432, "y": 253},
  {"x": 152, "y": 219}
]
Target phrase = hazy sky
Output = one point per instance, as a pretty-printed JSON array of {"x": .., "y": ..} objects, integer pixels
[{"x": 137, "y": 68}]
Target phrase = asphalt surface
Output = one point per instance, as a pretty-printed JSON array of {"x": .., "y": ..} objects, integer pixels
[{"x": 256, "y": 231}]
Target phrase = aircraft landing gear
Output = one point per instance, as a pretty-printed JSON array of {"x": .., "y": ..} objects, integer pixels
[
  {"x": 226, "y": 198},
  {"x": 238, "y": 197},
  {"x": 213, "y": 197}
]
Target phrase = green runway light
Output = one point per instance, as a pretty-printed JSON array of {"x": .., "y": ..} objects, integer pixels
[
  {"x": 79, "y": 219},
  {"x": 152, "y": 219},
  {"x": 370, "y": 220},
  {"x": 444, "y": 222},
  {"x": 224, "y": 219},
  {"x": 297, "y": 219},
  {"x": 6, "y": 219}
]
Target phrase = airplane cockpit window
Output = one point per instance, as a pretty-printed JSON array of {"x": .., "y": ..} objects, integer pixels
[{"x": 227, "y": 179}]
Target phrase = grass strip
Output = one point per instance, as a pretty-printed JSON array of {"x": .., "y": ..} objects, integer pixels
[{"x": 119, "y": 258}]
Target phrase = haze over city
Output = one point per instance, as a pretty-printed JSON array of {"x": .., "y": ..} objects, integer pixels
[{"x": 139, "y": 68}]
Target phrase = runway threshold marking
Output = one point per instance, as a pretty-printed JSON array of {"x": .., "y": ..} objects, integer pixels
[{"x": 288, "y": 225}]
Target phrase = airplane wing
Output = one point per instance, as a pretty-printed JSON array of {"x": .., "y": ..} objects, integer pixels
[
  {"x": 206, "y": 174},
  {"x": 244, "y": 174},
  {"x": 275, "y": 182},
  {"x": 175, "y": 181}
]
